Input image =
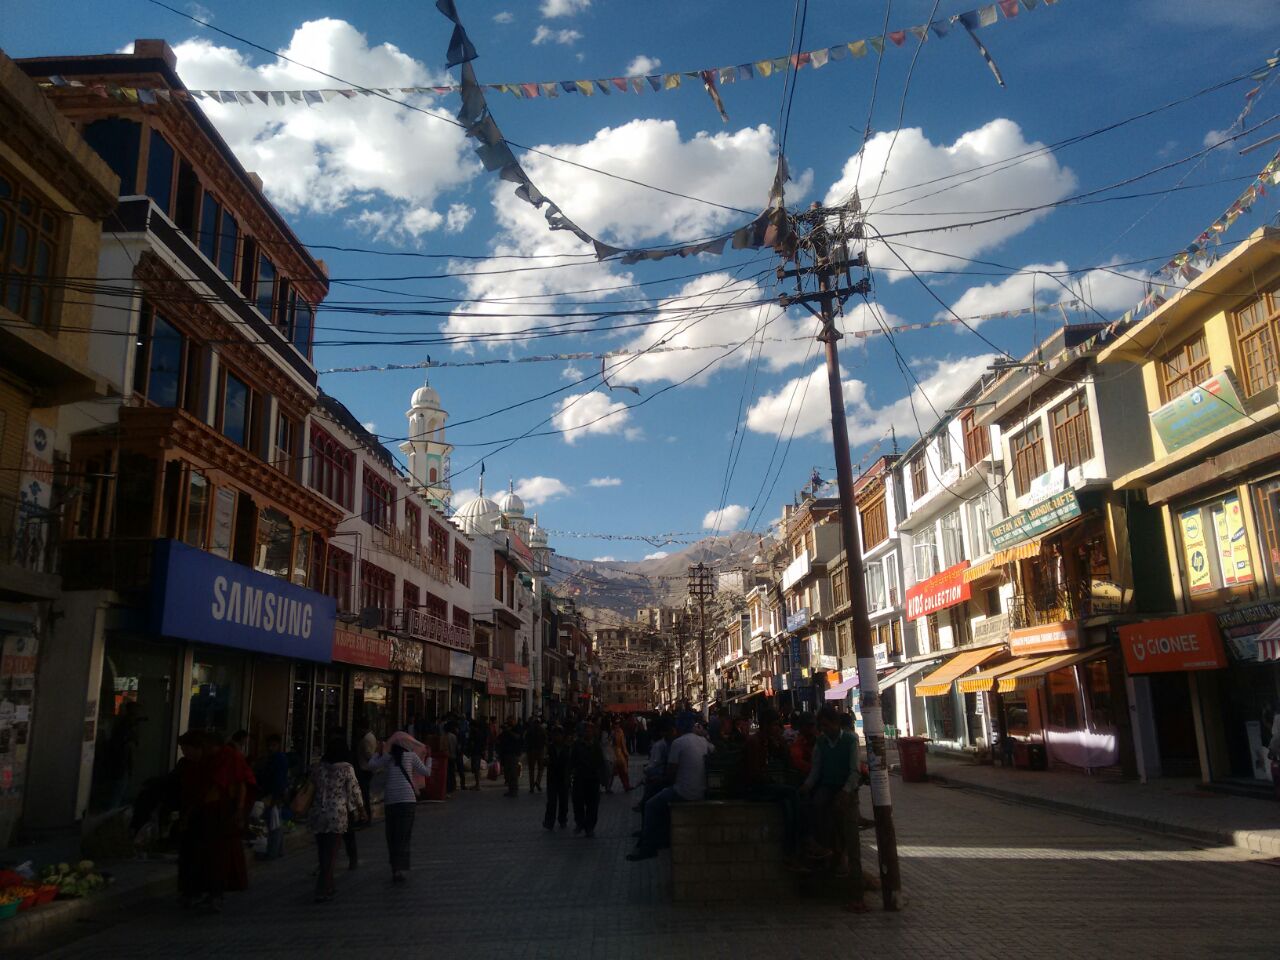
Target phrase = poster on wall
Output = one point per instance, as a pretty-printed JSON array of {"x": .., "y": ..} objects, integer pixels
[
  {"x": 1233, "y": 547},
  {"x": 1195, "y": 552},
  {"x": 35, "y": 493}
]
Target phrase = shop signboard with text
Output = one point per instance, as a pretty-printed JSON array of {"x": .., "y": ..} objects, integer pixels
[
  {"x": 946, "y": 589},
  {"x": 1197, "y": 413},
  {"x": 517, "y": 675},
  {"x": 1191, "y": 642},
  {"x": 1032, "y": 522},
  {"x": 197, "y": 596},
  {"x": 362, "y": 649},
  {"x": 1045, "y": 638},
  {"x": 1241, "y": 627}
]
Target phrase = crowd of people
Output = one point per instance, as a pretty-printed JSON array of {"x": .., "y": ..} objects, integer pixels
[{"x": 806, "y": 764}]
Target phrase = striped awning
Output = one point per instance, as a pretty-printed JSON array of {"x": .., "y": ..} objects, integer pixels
[
  {"x": 1019, "y": 551},
  {"x": 980, "y": 569},
  {"x": 1030, "y": 676},
  {"x": 986, "y": 680},
  {"x": 1269, "y": 643},
  {"x": 938, "y": 683}
]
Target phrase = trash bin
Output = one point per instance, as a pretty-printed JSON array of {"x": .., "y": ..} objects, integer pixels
[{"x": 911, "y": 754}]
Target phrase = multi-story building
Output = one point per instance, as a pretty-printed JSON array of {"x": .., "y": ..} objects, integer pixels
[
  {"x": 952, "y": 494},
  {"x": 55, "y": 192},
  {"x": 628, "y": 655},
  {"x": 400, "y": 575},
  {"x": 1205, "y": 681},
  {"x": 810, "y": 540},
  {"x": 194, "y": 560},
  {"x": 1067, "y": 432}
]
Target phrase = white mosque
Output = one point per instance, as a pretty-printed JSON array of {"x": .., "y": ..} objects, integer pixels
[{"x": 426, "y": 449}]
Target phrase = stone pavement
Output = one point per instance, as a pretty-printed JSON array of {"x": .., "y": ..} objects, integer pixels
[
  {"x": 983, "y": 878},
  {"x": 1179, "y": 806}
]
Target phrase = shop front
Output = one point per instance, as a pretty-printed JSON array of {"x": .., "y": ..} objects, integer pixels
[
  {"x": 518, "y": 683},
  {"x": 496, "y": 691},
  {"x": 462, "y": 695},
  {"x": 947, "y": 711},
  {"x": 435, "y": 681},
  {"x": 411, "y": 706},
  {"x": 1239, "y": 709}
]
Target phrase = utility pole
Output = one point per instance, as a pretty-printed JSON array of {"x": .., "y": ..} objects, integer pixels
[
  {"x": 832, "y": 260},
  {"x": 701, "y": 587}
]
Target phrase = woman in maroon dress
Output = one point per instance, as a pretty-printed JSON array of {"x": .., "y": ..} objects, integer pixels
[{"x": 215, "y": 780}]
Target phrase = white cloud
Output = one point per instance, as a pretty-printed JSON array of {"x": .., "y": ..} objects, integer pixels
[
  {"x": 198, "y": 10},
  {"x": 732, "y": 168},
  {"x": 582, "y": 413},
  {"x": 571, "y": 372},
  {"x": 504, "y": 16},
  {"x": 1105, "y": 290},
  {"x": 941, "y": 382},
  {"x": 605, "y": 482},
  {"x": 545, "y": 34},
  {"x": 370, "y": 426},
  {"x": 563, "y": 8},
  {"x": 536, "y": 491},
  {"x": 1214, "y": 138},
  {"x": 465, "y": 495},
  {"x": 656, "y": 555},
  {"x": 961, "y": 198},
  {"x": 642, "y": 65},
  {"x": 384, "y": 165},
  {"x": 634, "y": 433},
  {"x": 729, "y": 518},
  {"x": 605, "y": 559},
  {"x": 459, "y": 216}
]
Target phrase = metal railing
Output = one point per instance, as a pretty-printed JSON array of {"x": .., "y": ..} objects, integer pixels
[
  {"x": 424, "y": 626},
  {"x": 28, "y": 535}
]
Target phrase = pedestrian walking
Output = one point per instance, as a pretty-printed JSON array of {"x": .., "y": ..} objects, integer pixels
[
  {"x": 621, "y": 757},
  {"x": 214, "y": 783},
  {"x": 535, "y": 747},
  {"x": 477, "y": 736},
  {"x": 510, "y": 746},
  {"x": 335, "y": 800},
  {"x": 361, "y": 752},
  {"x": 400, "y": 798},
  {"x": 559, "y": 771},
  {"x": 273, "y": 787},
  {"x": 607, "y": 764},
  {"x": 452, "y": 754},
  {"x": 585, "y": 763}
]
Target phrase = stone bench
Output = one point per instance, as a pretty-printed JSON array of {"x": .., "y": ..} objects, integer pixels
[{"x": 727, "y": 850}]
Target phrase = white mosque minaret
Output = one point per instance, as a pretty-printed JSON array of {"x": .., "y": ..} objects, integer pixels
[{"x": 426, "y": 449}]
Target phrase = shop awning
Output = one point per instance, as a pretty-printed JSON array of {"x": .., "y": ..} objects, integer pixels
[
  {"x": 905, "y": 673},
  {"x": 979, "y": 570},
  {"x": 1030, "y": 676},
  {"x": 1019, "y": 551},
  {"x": 841, "y": 689},
  {"x": 938, "y": 683},
  {"x": 984, "y": 681},
  {"x": 1269, "y": 643}
]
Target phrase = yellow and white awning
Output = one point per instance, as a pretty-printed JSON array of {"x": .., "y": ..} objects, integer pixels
[
  {"x": 938, "y": 683},
  {"x": 986, "y": 680},
  {"x": 1030, "y": 676}
]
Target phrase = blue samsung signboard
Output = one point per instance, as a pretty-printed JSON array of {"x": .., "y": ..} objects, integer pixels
[{"x": 197, "y": 596}]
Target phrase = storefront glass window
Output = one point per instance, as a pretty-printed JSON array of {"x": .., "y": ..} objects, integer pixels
[
  {"x": 17, "y": 699},
  {"x": 217, "y": 692},
  {"x": 326, "y": 713},
  {"x": 1215, "y": 547},
  {"x": 1064, "y": 704},
  {"x": 275, "y": 543},
  {"x": 940, "y": 717},
  {"x": 371, "y": 705},
  {"x": 1268, "y": 496},
  {"x": 1017, "y": 718},
  {"x": 135, "y": 710},
  {"x": 1102, "y": 702}
]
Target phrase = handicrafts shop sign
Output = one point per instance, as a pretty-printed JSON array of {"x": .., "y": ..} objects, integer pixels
[{"x": 1041, "y": 518}]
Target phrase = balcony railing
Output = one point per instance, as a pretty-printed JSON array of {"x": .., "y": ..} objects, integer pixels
[
  {"x": 1070, "y": 601},
  {"x": 27, "y": 536},
  {"x": 403, "y": 546},
  {"x": 424, "y": 626}
]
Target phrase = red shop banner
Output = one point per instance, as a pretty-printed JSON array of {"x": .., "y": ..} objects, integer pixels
[
  {"x": 361, "y": 649},
  {"x": 946, "y": 589},
  {"x": 1192, "y": 642}
]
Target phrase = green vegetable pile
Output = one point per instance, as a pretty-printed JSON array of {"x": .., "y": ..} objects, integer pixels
[{"x": 79, "y": 881}]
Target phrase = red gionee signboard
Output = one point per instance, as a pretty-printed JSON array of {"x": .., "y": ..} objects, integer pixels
[
  {"x": 1192, "y": 642},
  {"x": 939, "y": 592},
  {"x": 361, "y": 649}
]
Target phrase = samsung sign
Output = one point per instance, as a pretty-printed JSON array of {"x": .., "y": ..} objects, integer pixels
[{"x": 197, "y": 596}]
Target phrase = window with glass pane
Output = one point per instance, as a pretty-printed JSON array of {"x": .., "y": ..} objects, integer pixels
[
  {"x": 248, "y": 267},
  {"x": 1072, "y": 439},
  {"x": 302, "y": 543},
  {"x": 377, "y": 588},
  {"x": 1257, "y": 329},
  {"x": 926, "y": 552},
  {"x": 952, "y": 539},
  {"x": 1185, "y": 367},
  {"x": 235, "y": 409},
  {"x": 379, "y": 501},
  {"x": 1064, "y": 701},
  {"x": 285, "y": 452},
  {"x": 890, "y": 564},
  {"x": 438, "y": 539},
  {"x": 337, "y": 576},
  {"x": 275, "y": 543},
  {"x": 160, "y": 363},
  {"x": 29, "y": 240},
  {"x": 1028, "y": 457},
  {"x": 413, "y": 522},
  {"x": 919, "y": 476},
  {"x": 118, "y": 142},
  {"x": 332, "y": 468},
  {"x": 303, "y": 320},
  {"x": 946, "y": 458},
  {"x": 462, "y": 564},
  {"x": 224, "y": 518},
  {"x": 875, "y": 522},
  {"x": 875, "y": 587},
  {"x": 412, "y": 596},
  {"x": 1103, "y": 708},
  {"x": 210, "y": 213},
  {"x": 160, "y": 171},
  {"x": 228, "y": 234},
  {"x": 196, "y": 527},
  {"x": 266, "y": 289},
  {"x": 1268, "y": 499},
  {"x": 979, "y": 525},
  {"x": 977, "y": 440}
]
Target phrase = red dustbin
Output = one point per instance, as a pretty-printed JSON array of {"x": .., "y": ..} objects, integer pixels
[{"x": 911, "y": 754}]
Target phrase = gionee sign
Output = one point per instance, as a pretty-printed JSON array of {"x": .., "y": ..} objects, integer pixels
[{"x": 1192, "y": 642}]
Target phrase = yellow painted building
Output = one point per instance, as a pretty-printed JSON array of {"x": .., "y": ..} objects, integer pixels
[
  {"x": 1210, "y": 367},
  {"x": 54, "y": 194}
]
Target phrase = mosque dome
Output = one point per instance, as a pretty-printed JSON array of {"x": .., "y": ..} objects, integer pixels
[
  {"x": 510, "y": 504},
  {"x": 537, "y": 536},
  {"x": 426, "y": 396},
  {"x": 479, "y": 516}
]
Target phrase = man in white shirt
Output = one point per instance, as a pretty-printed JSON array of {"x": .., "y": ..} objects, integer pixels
[{"x": 687, "y": 783}]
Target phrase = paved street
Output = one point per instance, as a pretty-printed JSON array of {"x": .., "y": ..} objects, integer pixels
[{"x": 984, "y": 879}]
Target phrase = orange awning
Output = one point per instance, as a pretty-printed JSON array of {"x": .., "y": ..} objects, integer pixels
[
  {"x": 984, "y": 681},
  {"x": 939, "y": 682},
  {"x": 1030, "y": 676}
]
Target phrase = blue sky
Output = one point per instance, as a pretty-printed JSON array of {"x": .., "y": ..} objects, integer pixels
[{"x": 368, "y": 174}]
